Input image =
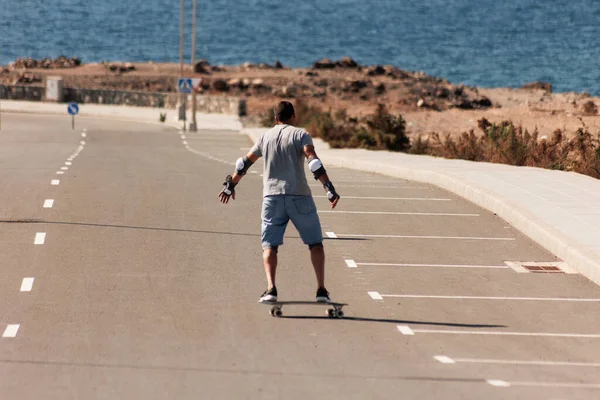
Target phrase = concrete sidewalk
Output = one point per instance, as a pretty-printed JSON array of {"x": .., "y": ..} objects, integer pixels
[
  {"x": 559, "y": 210},
  {"x": 130, "y": 113}
]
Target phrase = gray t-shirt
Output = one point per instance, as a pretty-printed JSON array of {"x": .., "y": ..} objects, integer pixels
[{"x": 284, "y": 160}]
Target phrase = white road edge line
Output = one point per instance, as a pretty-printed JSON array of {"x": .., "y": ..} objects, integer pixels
[
  {"x": 435, "y": 265},
  {"x": 400, "y": 213},
  {"x": 11, "y": 331},
  {"x": 427, "y": 237},
  {"x": 390, "y": 198},
  {"x": 420, "y": 296},
  {"x": 351, "y": 264},
  {"x": 55, "y": 182},
  {"x": 40, "y": 238},
  {"x": 375, "y": 296},
  {"x": 27, "y": 284},
  {"x": 537, "y": 334},
  {"x": 48, "y": 203}
]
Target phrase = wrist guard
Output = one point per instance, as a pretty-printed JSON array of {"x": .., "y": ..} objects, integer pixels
[
  {"x": 229, "y": 188},
  {"x": 331, "y": 193}
]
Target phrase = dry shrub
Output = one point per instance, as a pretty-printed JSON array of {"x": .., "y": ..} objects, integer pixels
[
  {"x": 589, "y": 108},
  {"x": 506, "y": 143}
]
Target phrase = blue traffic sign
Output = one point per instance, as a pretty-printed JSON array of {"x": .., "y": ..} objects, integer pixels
[
  {"x": 184, "y": 85},
  {"x": 73, "y": 108}
]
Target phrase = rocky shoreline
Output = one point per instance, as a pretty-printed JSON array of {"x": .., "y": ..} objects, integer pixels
[{"x": 427, "y": 103}]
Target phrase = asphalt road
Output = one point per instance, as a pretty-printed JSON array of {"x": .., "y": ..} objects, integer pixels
[{"x": 127, "y": 279}]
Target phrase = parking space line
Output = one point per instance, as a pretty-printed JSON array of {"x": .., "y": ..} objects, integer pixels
[
  {"x": 350, "y": 263},
  {"x": 402, "y": 328},
  {"x": 434, "y": 265},
  {"x": 375, "y": 296},
  {"x": 399, "y": 213},
  {"x": 331, "y": 235},
  {"x": 390, "y": 198},
  {"x": 565, "y": 385},
  {"x": 448, "y": 360},
  {"x": 424, "y": 237},
  {"x": 11, "y": 331},
  {"x": 419, "y": 296}
]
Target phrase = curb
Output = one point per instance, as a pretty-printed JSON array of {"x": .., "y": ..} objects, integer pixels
[{"x": 577, "y": 256}]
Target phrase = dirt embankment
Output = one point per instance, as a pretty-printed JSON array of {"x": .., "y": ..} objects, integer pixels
[{"x": 428, "y": 104}]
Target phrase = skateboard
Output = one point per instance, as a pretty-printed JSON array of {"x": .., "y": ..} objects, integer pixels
[{"x": 335, "y": 312}]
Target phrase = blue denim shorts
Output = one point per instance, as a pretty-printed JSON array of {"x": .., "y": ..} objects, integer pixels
[{"x": 278, "y": 210}]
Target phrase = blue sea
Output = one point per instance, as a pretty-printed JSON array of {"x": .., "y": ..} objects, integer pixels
[{"x": 475, "y": 42}]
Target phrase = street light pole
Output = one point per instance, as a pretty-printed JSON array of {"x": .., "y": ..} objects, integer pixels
[
  {"x": 182, "y": 99},
  {"x": 193, "y": 127}
]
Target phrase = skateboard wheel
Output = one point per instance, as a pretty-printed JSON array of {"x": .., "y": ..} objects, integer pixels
[
  {"x": 278, "y": 313},
  {"x": 330, "y": 312},
  {"x": 272, "y": 312},
  {"x": 340, "y": 314}
]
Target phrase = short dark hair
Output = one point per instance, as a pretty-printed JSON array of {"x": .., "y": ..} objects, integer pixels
[{"x": 284, "y": 111}]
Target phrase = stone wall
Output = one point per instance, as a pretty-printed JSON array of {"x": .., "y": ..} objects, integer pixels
[{"x": 204, "y": 104}]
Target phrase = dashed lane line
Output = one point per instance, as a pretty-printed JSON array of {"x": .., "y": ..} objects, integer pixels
[
  {"x": 11, "y": 331},
  {"x": 27, "y": 284},
  {"x": 40, "y": 238},
  {"x": 406, "y": 330},
  {"x": 448, "y": 360},
  {"x": 400, "y": 213},
  {"x": 48, "y": 203}
]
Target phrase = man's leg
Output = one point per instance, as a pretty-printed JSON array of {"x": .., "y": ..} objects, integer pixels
[
  {"x": 270, "y": 261},
  {"x": 317, "y": 256}
]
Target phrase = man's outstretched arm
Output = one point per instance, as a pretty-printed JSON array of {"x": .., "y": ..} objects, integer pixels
[
  {"x": 241, "y": 167},
  {"x": 319, "y": 173}
]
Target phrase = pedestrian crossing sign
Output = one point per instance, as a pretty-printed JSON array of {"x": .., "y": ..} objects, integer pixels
[{"x": 184, "y": 85}]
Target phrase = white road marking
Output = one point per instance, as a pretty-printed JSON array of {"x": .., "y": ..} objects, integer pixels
[
  {"x": 444, "y": 360},
  {"x": 498, "y": 383},
  {"x": 60, "y": 172},
  {"x": 11, "y": 331},
  {"x": 48, "y": 203},
  {"x": 419, "y": 296},
  {"x": 55, "y": 182},
  {"x": 83, "y": 134},
  {"x": 64, "y": 168},
  {"x": 331, "y": 235},
  {"x": 351, "y": 264},
  {"x": 183, "y": 136},
  {"x": 27, "y": 284},
  {"x": 536, "y": 334},
  {"x": 427, "y": 237},
  {"x": 390, "y": 198},
  {"x": 435, "y": 265},
  {"x": 399, "y": 213},
  {"x": 405, "y": 330},
  {"x": 375, "y": 296},
  {"x": 569, "y": 385},
  {"x": 40, "y": 238},
  {"x": 185, "y": 142},
  {"x": 68, "y": 163},
  {"x": 522, "y": 362}
]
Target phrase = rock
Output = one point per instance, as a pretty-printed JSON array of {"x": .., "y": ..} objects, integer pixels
[
  {"x": 347, "y": 62},
  {"x": 256, "y": 83},
  {"x": 311, "y": 73},
  {"x": 234, "y": 82},
  {"x": 380, "y": 88},
  {"x": 442, "y": 93},
  {"x": 246, "y": 82},
  {"x": 546, "y": 86},
  {"x": 278, "y": 65},
  {"x": 201, "y": 67},
  {"x": 355, "y": 86},
  {"x": 290, "y": 90},
  {"x": 129, "y": 66},
  {"x": 325, "y": 63},
  {"x": 420, "y": 103},
  {"x": 248, "y": 65},
  {"x": 220, "y": 85},
  {"x": 376, "y": 70}
]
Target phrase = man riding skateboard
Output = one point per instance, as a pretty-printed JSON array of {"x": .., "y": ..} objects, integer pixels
[{"x": 286, "y": 194}]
